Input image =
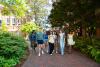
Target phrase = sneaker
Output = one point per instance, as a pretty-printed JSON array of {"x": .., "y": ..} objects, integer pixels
[
  {"x": 53, "y": 51},
  {"x": 42, "y": 52},
  {"x": 56, "y": 52},
  {"x": 39, "y": 54},
  {"x": 47, "y": 51},
  {"x": 51, "y": 54}
]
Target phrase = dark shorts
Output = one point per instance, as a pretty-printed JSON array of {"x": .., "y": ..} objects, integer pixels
[{"x": 40, "y": 41}]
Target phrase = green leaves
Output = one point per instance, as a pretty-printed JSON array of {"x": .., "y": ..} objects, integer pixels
[
  {"x": 96, "y": 54},
  {"x": 12, "y": 49},
  {"x": 73, "y": 10},
  {"x": 4, "y": 27},
  {"x": 37, "y": 9},
  {"x": 7, "y": 62},
  {"x": 15, "y": 7},
  {"x": 89, "y": 48},
  {"x": 28, "y": 27}
]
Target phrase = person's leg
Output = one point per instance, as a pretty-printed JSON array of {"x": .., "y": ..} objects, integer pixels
[
  {"x": 60, "y": 47},
  {"x": 56, "y": 47},
  {"x": 34, "y": 45},
  {"x": 47, "y": 47},
  {"x": 39, "y": 47},
  {"x": 31, "y": 44},
  {"x": 70, "y": 48},
  {"x": 52, "y": 48},
  {"x": 63, "y": 45},
  {"x": 42, "y": 47}
]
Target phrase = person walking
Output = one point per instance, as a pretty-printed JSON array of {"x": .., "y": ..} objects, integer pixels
[
  {"x": 62, "y": 41},
  {"x": 70, "y": 41},
  {"x": 46, "y": 41},
  {"x": 55, "y": 42},
  {"x": 32, "y": 39},
  {"x": 51, "y": 43},
  {"x": 40, "y": 42}
]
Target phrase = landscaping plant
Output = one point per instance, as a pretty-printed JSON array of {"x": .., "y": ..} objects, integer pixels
[{"x": 12, "y": 49}]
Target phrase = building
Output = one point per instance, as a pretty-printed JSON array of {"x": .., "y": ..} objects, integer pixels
[{"x": 11, "y": 22}]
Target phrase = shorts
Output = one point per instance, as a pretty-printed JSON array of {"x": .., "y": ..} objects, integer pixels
[
  {"x": 40, "y": 41},
  {"x": 45, "y": 40}
]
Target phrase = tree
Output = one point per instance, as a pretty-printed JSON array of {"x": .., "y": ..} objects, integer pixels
[
  {"x": 17, "y": 8},
  {"x": 37, "y": 9},
  {"x": 78, "y": 13},
  {"x": 28, "y": 27}
]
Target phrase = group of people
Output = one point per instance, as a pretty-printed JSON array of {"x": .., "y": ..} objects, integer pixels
[{"x": 52, "y": 42}]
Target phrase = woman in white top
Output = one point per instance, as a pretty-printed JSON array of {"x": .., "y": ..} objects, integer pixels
[
  {"x": 70, "y": 41},
  {"x": 51, "y": 40},
  {"x": 62, "y": 41}
]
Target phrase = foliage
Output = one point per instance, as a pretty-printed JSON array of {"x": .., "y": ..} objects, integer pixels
[
  {"x": 3, "y": 26},
  {"x": 25, "y": 10},
  {"x": 78, "y": 13},
  {"x": 12, "y": 49},
  {"x": 37, "y": 8},
  {"x": 28, "y": 27},
  {"x": 15, "y": 7},
  {"x": 91, "y": 48}
]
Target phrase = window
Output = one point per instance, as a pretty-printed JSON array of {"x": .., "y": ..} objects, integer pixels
[
  {"x": 0, "y": 22},
  {"x": 8, "y": 21},
  {"x": 13, "y": 21}
]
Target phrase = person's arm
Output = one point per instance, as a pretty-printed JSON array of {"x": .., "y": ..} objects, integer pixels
[
  {"x": 36, "y": 37},
  {"x": 64, "y": 37}
]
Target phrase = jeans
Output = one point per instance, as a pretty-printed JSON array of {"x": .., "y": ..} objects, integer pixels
[
  {"x": 51, "y": 48},
  {"x": 62, "y": 45}
]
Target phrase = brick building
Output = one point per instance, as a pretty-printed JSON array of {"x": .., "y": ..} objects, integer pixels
[{"x": 11, "y": 22}]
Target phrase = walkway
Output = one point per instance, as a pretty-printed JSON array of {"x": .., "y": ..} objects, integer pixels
[{"x": 75, "y": 59}]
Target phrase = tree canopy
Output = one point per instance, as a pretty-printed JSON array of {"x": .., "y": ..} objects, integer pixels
[
  {"x": 37, "y": 9},
  {"x": 14, "y": 7},
  {"x": 72, "y": 10},
  {"x": 78, "y": 13}
]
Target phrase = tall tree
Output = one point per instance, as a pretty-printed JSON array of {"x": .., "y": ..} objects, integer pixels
[
  {"x": 37, "y": 9},
  {"x": 78, "y": 13},
  {"x": 14, "y": 7}
]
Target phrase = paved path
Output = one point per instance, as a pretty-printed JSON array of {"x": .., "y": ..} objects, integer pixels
[{"x": 76, "y": 59}]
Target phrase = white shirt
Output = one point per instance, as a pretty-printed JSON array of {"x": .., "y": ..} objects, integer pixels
[{"x": 51, "y": 39}]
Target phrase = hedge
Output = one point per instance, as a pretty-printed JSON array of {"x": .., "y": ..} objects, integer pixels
[
  {"x": 12, "y": 49},
  {"x": 89, "y": 46}
]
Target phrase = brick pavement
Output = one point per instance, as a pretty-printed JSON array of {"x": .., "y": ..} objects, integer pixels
[{"x": 76, "y": 59}]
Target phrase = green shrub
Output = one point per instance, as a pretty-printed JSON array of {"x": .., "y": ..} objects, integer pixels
[
  {"x": 91, "y": 47},
  {"x": 12, "y": 49}
]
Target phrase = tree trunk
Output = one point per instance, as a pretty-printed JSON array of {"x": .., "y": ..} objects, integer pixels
[
  {"x": 97, "y": 13},
  {"x": 98, "y": 32}
]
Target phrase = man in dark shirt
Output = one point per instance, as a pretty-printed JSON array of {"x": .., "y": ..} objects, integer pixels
[{"x": 32, "y": 38}]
